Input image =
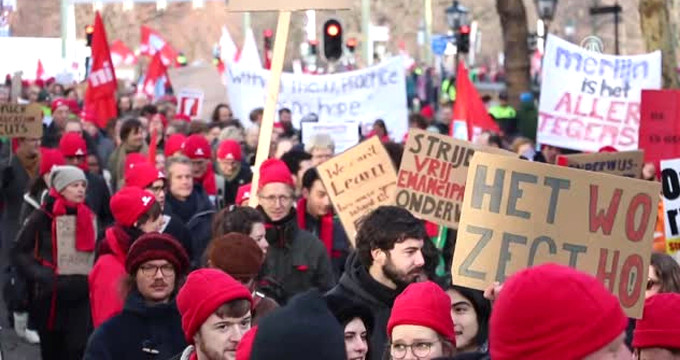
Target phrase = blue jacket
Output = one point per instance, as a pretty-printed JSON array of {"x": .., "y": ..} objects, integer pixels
[{"x": 139, "y": 332}]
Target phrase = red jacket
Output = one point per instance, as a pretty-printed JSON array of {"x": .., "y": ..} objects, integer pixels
[{"x": 105, "y": 280}]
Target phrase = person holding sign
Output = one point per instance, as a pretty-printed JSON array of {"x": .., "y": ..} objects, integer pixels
[
  {"x": 55, "y": 251},
  {"x": 657, "y": 334},
  {"x": 555, "y": 312}
]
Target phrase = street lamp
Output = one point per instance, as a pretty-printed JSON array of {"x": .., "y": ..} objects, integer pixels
[
  {"x": 456, "y": 16},
  {"x": 546, "y": 9}
]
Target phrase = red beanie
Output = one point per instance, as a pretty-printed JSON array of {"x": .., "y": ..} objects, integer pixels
[
  {"x": 424, "y": 304},
  {"x": 56, "y": 103},
  {"x": 182, "y": 117},
  {"x": 73, "y": 106},
  {"x": 245, "y": 347},
  {"x": 88, "y": 116},
  {"x": 553, "y": 312},
  {"x": 660, "y": 324},
  {"x": 72, "y": 144},
  {"x": 50, "y": 158},
  {"x": 204, "y": 292},
  {"x": 274, "y": 171},
  {"x": 128, "y": 204},
  {"x": 133, "y": 159},
  {"x": 197, "y": 147},
  {"x": 142, "y": 175},
  {"x": 607, "y": 149},
  {"x": 174, "y": 144},
  {"x": 243, "y": 194},
  {"x": 155, "y": 246},
  {"x": 229, "y": 149}
]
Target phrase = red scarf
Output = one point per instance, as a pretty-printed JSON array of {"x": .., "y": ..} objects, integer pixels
[
  {"x": 326, "y": 228},
  {"x": 116, "y": 242},
  {"x": 208, "y": 181},
  {"x": 85, "y": 236}
]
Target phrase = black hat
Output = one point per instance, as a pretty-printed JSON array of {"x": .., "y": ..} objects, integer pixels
[{"x": 345, "y": 310}]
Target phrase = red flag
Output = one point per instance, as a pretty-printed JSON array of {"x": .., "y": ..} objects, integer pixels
[
  {"x": 156, "y": 71},
  {"x": 152, "y": 42},
  {"x": 100, "y": 98},
  {"x": 469, "y": 106},
  {"x": 121, "y": 54},
  {"x": 40, "y": 72}
]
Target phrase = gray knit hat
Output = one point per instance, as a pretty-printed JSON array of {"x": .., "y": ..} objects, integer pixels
[{"x": 63, "y": 176}]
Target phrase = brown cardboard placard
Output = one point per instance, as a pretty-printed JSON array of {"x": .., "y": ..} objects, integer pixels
[
  {"x": 69, "y": 260},
  {"x": 202, "y": 77},
  {"x": 21, "y": 120},
  {"x": 432, "y": 175},
  {"x": 287, "y": 5},
  {"x": 624, "y": 163},
  {"x": 358, "y": 181},
  {"x": 517, "y": 214}
]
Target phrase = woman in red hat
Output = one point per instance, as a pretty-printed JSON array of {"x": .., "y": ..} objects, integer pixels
[
  {"x": 657, "y": 334},
  {"x": 420, "y": 326}
]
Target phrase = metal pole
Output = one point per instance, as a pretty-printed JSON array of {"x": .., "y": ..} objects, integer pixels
[
  {"x": 365, "y": 29},
  {"x": 64, "y": 26},
  {"x": 616, "y": 32},
  {"x": 428, "y": 32}
]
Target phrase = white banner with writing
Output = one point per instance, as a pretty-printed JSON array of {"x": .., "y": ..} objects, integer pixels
[{"x": 361, "y": 96}]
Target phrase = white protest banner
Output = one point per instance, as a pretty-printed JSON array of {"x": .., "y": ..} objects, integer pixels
[
  {"x": 590, "y": 100},
  {"x": 70, "y": 261},
  {"x": 517, "y": 214},
  {"x": 344, "y": 134},
  {"x": 190, "y": 102},
  {"x": 670, "y": 181},
  {"x": 364, "y": 95}
]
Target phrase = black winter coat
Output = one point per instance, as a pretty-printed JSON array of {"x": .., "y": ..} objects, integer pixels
[
  {"x": 97, "y": 198},
  {"x": 196, "y": 213},
  {"x": 139, "y": 332},
  {"x": 13, "y": 184},
  {"x": 357, "y": 285},
  {"x": 227, "y": 190}
]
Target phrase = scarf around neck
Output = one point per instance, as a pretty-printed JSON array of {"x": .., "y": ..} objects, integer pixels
[
  {"x": 325, "y": 225},
  {"x": 278, "y": 232},
  {"x": 85, "y": 234},
  {"x": 208, "y": 181}
]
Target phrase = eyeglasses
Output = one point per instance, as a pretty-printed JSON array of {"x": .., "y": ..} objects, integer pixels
[
  {"x": 651, "y": 283},
  {"x": 167, "y": 270},
  {"x": 273, "y": 199},
  {"x": 419, "y": 349}
]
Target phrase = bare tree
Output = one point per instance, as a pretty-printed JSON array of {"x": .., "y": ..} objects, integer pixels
[
  {"x": 657, "y": 32},
  {"x": 515, "y": 33}
]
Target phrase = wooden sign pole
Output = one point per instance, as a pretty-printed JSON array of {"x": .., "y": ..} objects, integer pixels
[{"x": 267, "y": 124}]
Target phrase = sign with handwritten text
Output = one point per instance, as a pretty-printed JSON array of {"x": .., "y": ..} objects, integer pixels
[
  {"x": 20, "y": 121},
  {"x": 358, "y": 181},
  {"x": 623, "y": 163},
  {"x": 70, "y": 261}
]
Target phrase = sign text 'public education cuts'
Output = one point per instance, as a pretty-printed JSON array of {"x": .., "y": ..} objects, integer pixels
[
  {"x": 589, "y": 100},
  {"x": 358, "y": 181},
  {"x": 20, "y": 121},
  {"x": 625, "y": 163},
  {"x": 432, "y": 175},
  {"x": 517, "y": 214}
]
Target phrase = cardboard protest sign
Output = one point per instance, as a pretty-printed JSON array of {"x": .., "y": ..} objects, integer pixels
[
  {"x": 345, "y": 134},
  {"x": 21, "y": 120},
  {"x": 358, "y": 181},
  {"x": 625, "y": 163},
  {"x": 203, "y": 78},
  {"x": 590, "y": 100},
  {"x": 287, "y": 5},
  {"x": 670, "y": 185},
  {"x": 659, "y": 128},
  {"x": 70, "y": 261},
  {"x": 190, "y": 102},
  {"x": 363, "y": 95},
  {"x": 432, "y": 175},
  {"x": 517, "y": 214}
]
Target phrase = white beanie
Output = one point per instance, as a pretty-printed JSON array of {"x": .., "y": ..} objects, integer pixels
[{"x": 63, "y": 176}]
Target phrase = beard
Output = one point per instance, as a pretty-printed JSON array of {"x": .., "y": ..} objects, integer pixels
[
  {"x": 400, "y": 278},
  {"x": 210, "y": 353}
]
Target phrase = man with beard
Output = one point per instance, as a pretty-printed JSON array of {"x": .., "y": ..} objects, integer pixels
[
  {"x": 389, "y": 256},
  {"x": 215, "y": 312},
  {"x": 286, "y": 119},
  {"x": 132, "y": 141}
]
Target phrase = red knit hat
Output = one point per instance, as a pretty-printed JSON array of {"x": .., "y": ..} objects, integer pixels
[
  {"x": 553, "y": 312},
  {"x": 660, "y": 324},
  {"x": 72, "y": 144},
  {"x": 204, "y": 292},
  {"x": 56, "y": 103},
  {"x": 73, "y": 106},
  {"x": 155, "y": 246},
  {"x": 88, "y": 116},
  {"x": 243, "y": 194},
  {"x": 128, "y": 204},
  {"x": 424, "y": 304},
  {"x": 50, "y": 158},
  {"x": 245, "y": 347},
  {"x": 174, "y": 144},
  {"x": 182, "y": 117},
  {"x": 197, "y": 147},
  {"x": 607, "y": 149},
  {"x": 142, "y": 175},
  {"x": 274, "y": 171},
  {"x": 229, "y": 149},
  {"x": 133, "y": 159}
]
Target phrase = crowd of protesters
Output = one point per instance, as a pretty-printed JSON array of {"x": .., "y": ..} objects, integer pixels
[{"x": 177, "y": 266}]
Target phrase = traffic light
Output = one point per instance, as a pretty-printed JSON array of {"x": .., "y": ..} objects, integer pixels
[
  {"x": 332, "y": 40},
  {"x": 352, "y": 45},
  {"x": 89, "y": 30},
  {"x": 313, "y": 47},
  {"x": 268, "y": 34},
  {"x": 463, "y": 40}
]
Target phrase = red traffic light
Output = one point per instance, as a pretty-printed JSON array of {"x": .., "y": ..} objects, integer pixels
[
  {"x": 333, "y": 30},
  {"x": 89, "y": 29},
  {"x": 268, "y": 33},
  {"x": 352, "y": 42},
  {"x": 465, "y": 29}
]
